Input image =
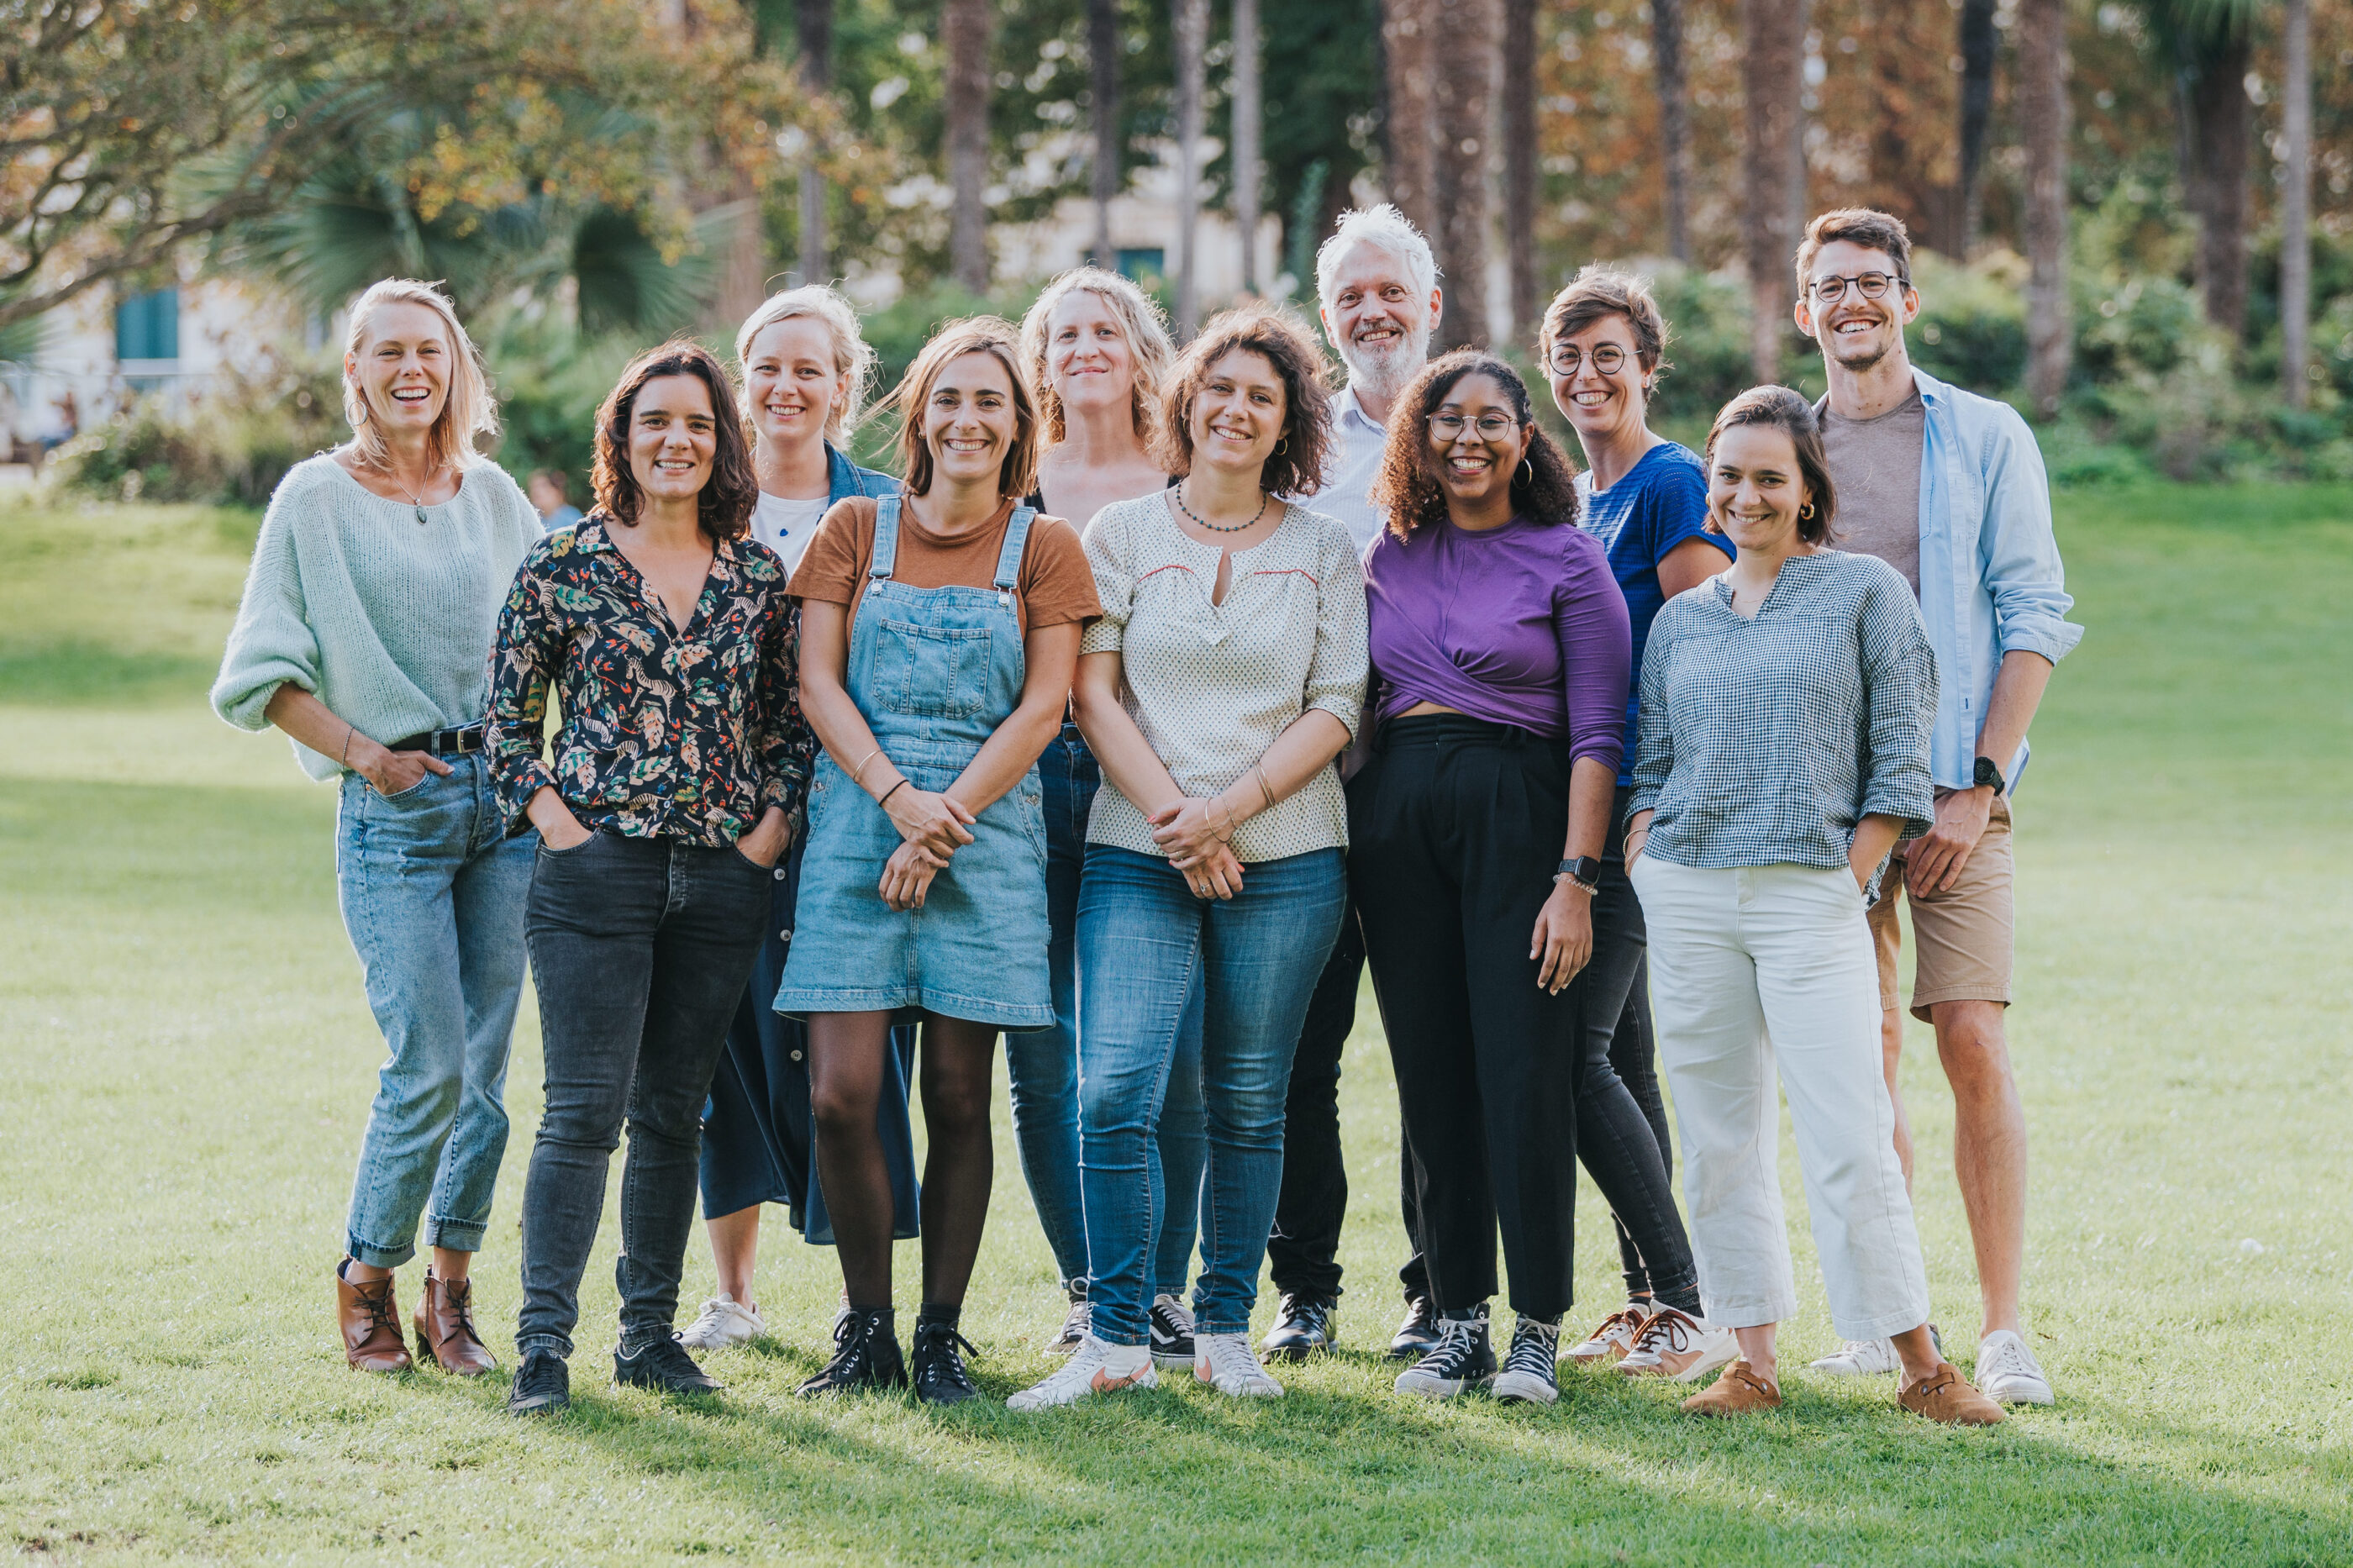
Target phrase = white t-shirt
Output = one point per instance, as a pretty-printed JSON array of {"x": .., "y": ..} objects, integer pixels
[
  {"x": 1355, "y": 460},
  {"x": 787, "y": 526}
]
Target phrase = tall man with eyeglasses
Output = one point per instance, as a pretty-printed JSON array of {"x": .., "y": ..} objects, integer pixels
[
  {"x": 1376, "y": 282},
  {"x": 1949, "y": 488}
]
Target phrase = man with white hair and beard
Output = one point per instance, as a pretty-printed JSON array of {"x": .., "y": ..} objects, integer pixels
[{"x": 1376, "y": 282}]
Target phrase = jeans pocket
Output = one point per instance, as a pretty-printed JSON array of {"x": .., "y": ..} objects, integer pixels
[
  {"x": 766, "y": 873},
  {"x": 411, "y": 793},
  {"x": 550, "y": 852}
]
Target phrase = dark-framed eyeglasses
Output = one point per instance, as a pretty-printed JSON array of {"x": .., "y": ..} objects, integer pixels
[
  {"x": 1490, "y": 426},
  {"x": 1608, "y": 360},
  {"x": 1831, "y": 288}
]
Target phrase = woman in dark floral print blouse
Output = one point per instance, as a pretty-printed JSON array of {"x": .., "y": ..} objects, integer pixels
[{"x": 679, "y": 770}]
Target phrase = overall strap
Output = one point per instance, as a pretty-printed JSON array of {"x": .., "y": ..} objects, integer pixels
[
  {"x": 886, "y": 540},
  {"x": 1008, "y": 559}
]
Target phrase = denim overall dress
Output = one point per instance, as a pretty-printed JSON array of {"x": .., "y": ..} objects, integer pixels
[{"x": 934, "y": 672}]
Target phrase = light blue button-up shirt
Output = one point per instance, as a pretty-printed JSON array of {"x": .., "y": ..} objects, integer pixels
[{"x": 1990, "y": 577}]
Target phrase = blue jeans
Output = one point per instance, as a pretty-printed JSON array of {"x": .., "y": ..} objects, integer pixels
[
  {"x": 433, "y": 898},
  {"x": 1144, "y": 944},
  {"x": 1044, "y": 1064}
]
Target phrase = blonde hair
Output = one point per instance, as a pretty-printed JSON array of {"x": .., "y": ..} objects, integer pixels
[
  {"x": 1148, "y": 345},
  {"x": 468, "y": 411},
  {"x": 990, "y": 335},
  {"x": 853, "y": 356}
]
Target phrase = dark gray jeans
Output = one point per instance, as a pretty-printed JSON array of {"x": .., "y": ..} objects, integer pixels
[{"x": 639, "y": 949}]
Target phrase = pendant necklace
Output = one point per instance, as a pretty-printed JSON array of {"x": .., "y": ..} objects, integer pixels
[
  {"x": 417, "y": 501},
  {"x": 1266, "y": 499}
]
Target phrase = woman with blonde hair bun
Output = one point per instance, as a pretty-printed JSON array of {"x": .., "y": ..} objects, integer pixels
[
  {"x": 364, "y": 635},
  {"x": 1094, "y": 351}
]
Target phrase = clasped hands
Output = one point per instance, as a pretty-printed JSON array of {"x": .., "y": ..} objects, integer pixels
[
  {"x": 932, "y": 828},
  {"x": 1196, "y": 833}
]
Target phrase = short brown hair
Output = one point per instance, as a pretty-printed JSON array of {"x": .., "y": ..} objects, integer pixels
[
  {"x": 1408, "y": 489},
  {"x": 1600, "y": 291},
  {"x": 724, "y": 507},
  {"x": 1280, "y": 338},
  {"x": 991, "y": 335},
  {"x": 1866, "y": 226},
  {"x": 1787, "y": 412}
]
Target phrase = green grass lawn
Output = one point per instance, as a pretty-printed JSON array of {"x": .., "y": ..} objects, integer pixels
[{"x": 186, "y": 1060}]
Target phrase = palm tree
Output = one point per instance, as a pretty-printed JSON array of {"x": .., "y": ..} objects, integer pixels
[
  {"x": 1462, "y": 57},
  {"x": 2043, "y": 119},
  {"x": 2296, "y": 207},
  {"x": 1772, "y": 36},
  {"x": 814, "y": 29},
  {"x": 1674, "y": 122},
  {"x": 1103, "y": 72},
  {"x": 1520, "y": 152},
  {"x": 1409, "y": 135},
  {"x": 2208, "y": 44},
  {"x": 964, "y": 38},
  {"x": 1192, "y": 29},
  {"x": 1977, "y": 114},
  {"x": 1249, "y": 124}
]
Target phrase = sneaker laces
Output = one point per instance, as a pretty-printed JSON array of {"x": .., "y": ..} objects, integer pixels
[
  {"x": 1079, "y": 1320},
  {"x": 2009, "y": 1358},
  {"x": 1456, "y": 1349},
  {"x": 543, "y": 1373},
  {"x": 1312, "y": 1311},
  {"x": 1535, "y": 1347},
  {"x": 1229, "y": 1356},
  {"x": 936, "y": 1349},
  {"x": 667, "y": 1359},
  {"x": 851, "y": 1330},
  {"x": 1171, "y": 1314},
  {"x": 1666, "y": 1331},
  {"x": 1620, "y": 1325}
]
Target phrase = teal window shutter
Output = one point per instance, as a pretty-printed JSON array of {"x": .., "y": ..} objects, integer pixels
[{"x": 147, "y": 326}]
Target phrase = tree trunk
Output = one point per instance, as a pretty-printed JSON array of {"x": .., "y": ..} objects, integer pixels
[
  {"x": 1463, "y": 60},
  {"x": 1249, "y": 125},
  {"x": 1977, "y": 114},
  {"x": 1102, "y": 70},
  {"x": 1773, "y": 36},
  {"x": 815, "y": 31},
  {"x": 1521, "y": 153},
  {"x": 1192, "y": 30},
  {"x": 2220, "y": 131},
  {"x": 2042, "y": 124},
  {"x": 963, "y": 38},
  {"x": 2295, "y": 208},
  {"x": 1409, "y": 153},
  {"x": 1674, "y": 122}
]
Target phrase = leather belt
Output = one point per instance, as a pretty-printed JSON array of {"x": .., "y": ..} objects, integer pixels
[{"x": 444, "y": 742}]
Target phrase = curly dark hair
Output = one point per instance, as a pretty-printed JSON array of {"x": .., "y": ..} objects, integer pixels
[
  {"x": 726, "y": 502},
  {"x": 1407, "y": 488},
  {"x": 1278, "y": 337},
  {"x": 1789, "y": 412}
]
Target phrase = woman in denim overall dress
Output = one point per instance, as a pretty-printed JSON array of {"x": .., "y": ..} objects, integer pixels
[{"x": 923, "y": 888}]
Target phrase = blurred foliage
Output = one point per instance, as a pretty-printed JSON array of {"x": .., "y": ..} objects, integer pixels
[{"x": 232, "y": 444}]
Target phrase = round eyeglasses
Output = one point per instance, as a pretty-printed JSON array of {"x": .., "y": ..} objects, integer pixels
[
  {"x": 1491, "y": 427},
  {"x": 1608, "y": 360},
  {"x": 1832, "y": 288}
]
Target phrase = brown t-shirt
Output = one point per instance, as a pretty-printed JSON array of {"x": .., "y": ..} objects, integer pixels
[
  {"x": 1875, "y": 463},
  {"x": 1054, "y": 587}
]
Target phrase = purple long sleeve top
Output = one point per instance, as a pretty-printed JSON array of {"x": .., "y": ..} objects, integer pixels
[{"x": 1521, "y": 625}]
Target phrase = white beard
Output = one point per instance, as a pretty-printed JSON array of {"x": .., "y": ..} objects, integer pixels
[{"x": 1386, "y": 375}]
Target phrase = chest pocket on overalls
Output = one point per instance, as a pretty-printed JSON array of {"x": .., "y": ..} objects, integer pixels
[{"x": 932, "y": 672}]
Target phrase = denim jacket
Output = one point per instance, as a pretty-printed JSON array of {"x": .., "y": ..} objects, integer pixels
[
  {"x": 845, "y": 478},
  {"x": 1990, "y": 578}
]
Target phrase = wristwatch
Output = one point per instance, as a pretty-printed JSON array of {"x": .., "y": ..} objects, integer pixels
[
  {"x": 1989, "y": 776},
  {"x": 1585, "y": 870}
]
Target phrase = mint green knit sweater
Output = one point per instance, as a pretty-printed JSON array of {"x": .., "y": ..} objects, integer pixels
[{"x": 386, "y": 620}]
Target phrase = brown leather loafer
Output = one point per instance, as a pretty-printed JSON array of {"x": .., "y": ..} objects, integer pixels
[
  {"x": 371, "y": 1323},
  {"x": 1740, "y": 1392},
  {"x": 445, "y": 1328},
  {"x": 1945, "y": 1395}
]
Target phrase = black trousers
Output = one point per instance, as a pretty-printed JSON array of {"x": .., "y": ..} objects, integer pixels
[
  {"x": 1303, "y": 1254},
  {"x": 640, "y": 948},
  {"x": 1456, "y": 826}
]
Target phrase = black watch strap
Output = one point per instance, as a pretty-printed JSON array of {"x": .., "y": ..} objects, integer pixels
[
  {"x": 1989, "y": 775},
  {"x": 1584, "y": 870}
]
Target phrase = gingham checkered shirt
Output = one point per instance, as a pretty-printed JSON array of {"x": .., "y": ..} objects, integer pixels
[{"x": 1764, "y": 742}]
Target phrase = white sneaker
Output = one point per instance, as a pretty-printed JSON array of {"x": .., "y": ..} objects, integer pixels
[
  {"x": 1095, "y": 1367},
  {"x": 725, "y": 1321},
  {"x": 1861, "y": 1358},
  {"x": 1678, "y": 1347},
  {"x": 2007, "y": 1372},
  {"x": 1613, "y": 1337},
  {"x": 1224, "y": 1362}
]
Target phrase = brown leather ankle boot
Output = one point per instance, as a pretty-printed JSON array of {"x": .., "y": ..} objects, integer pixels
[
  {"x": 445, "y": 1328},
  {"x": 370, "y": 1323}
]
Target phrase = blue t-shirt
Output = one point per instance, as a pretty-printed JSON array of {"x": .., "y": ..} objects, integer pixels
[{"x": 1660, "y": 503}]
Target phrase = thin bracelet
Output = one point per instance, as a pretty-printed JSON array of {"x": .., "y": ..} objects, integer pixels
[
  {"x": 349, "y": 731},
  {"x": 1225, "y": 838},
  {"x": 861, "y": 768},
  {"x": 894, "y": 789},
  {"x": 1260, "y": 770}
]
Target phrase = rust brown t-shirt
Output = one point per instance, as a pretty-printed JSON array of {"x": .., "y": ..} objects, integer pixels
[{"x": 1054, "y": 587}]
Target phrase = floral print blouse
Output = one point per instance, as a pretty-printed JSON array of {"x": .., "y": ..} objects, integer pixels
[{"x": 668, "y": 733}]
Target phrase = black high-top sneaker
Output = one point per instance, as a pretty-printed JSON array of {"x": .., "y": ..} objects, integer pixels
[
  {"x": 1531, "y": 1375},
  {"x": 865, "y": 1353},
  {"x": 1302, "y": 1325},
  {"x": 1462, "y": 1357},
  {"x": 663, "y": 1366},
  {"x": 1418, "y": 1333},
  {"x": 1171, "y": 1324},
  {"x": 936, "y": 1368}
]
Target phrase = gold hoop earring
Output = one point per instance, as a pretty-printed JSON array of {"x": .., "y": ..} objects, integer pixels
[
  {"x": 1281, "y": 444},
  {"x": 1529, "y": 464},
  {"x": 1806, "y": 513}
]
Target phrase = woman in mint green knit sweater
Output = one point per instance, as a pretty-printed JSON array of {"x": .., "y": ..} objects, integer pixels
[{"x": 364, "y": 635}]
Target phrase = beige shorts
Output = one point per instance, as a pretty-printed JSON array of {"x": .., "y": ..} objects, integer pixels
[{"x": 1964, "y": 935}]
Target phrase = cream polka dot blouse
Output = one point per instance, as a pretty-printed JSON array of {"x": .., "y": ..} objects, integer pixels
[{"x": 1212, "y": 685}]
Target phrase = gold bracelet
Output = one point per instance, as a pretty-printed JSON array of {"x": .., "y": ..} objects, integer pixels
[
  {"x": 1260, "y": 770},
  {"x": 861, "y": 768}
]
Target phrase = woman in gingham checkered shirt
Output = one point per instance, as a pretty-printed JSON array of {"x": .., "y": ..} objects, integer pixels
[{"x": 1787, "y": 707}]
